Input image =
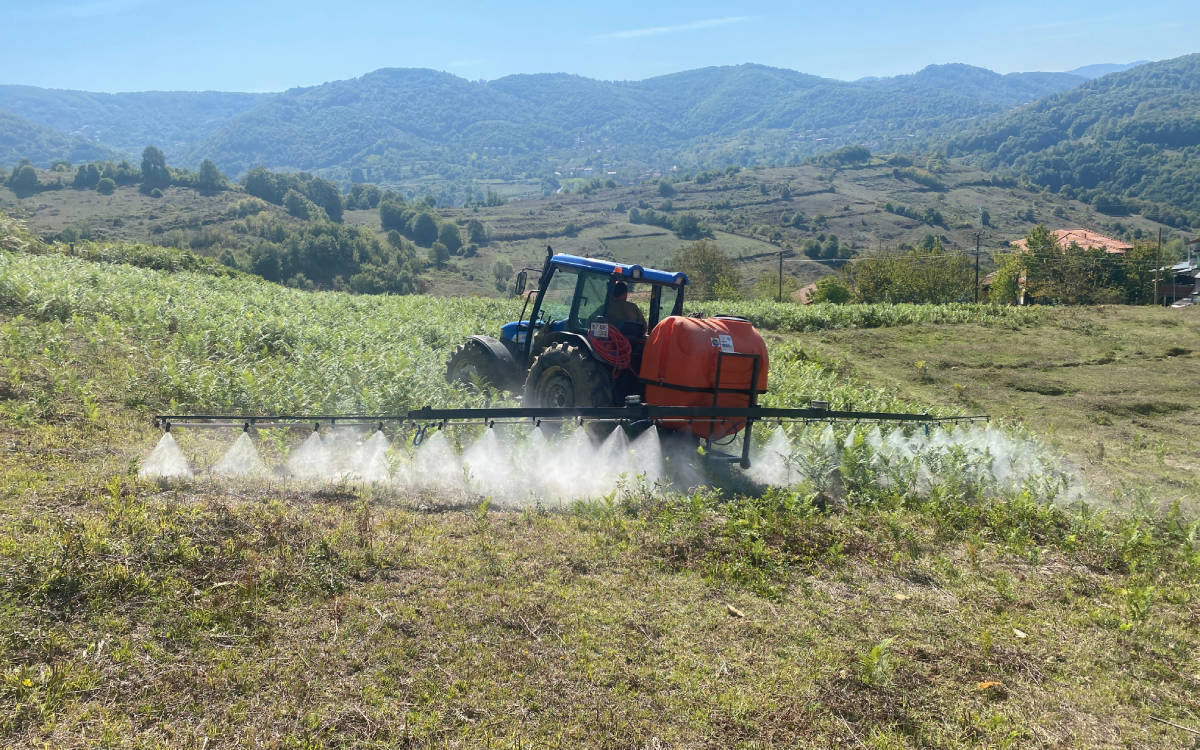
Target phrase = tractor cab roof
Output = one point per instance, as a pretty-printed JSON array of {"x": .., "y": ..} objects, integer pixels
[{"x": 620, "y": 270}]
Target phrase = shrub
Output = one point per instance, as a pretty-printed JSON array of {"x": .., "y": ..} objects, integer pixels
[{"x": 831, "y": 289}]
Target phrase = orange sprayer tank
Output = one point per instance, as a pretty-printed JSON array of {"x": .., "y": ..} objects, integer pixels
[{"x": 680, "y": 366}]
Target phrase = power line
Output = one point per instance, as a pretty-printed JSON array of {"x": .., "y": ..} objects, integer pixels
[{"x": 1113, "y": 259}]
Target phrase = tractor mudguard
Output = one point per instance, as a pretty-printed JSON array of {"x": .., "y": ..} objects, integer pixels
[
  {"x": 497, "y": 349},
  {"x": 553, "y": 337}
]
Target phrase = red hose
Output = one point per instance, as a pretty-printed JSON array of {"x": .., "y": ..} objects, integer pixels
[{"x": 614, "y": 350}]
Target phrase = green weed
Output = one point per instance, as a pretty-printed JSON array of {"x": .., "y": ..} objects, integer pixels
[{"x": 875, "y": 666}]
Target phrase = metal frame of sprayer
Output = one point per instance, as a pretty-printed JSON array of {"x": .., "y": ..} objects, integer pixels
[{"x": 633, "y": 414}]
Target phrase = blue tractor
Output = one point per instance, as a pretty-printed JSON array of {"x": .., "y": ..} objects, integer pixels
[{"x": 582, "y": 342}]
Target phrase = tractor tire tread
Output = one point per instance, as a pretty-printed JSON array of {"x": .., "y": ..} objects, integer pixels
[{"x": 590, "y": 384}]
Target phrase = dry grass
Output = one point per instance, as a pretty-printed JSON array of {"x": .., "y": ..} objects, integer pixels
[{"x": 142, "y": 615}]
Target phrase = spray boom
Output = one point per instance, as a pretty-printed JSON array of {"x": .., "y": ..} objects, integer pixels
[{"x": 631, "y": 414}]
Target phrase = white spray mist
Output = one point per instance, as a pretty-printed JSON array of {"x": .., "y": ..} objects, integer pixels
[{"x": 166, "y": 461}]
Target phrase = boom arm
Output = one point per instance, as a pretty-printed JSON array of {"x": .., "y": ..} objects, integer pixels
[{"x": 632, "y": 413}]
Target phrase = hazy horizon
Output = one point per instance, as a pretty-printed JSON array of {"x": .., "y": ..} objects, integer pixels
[
  {"x": 153, "y": 45},
  {"x": 544, "y": 72}
]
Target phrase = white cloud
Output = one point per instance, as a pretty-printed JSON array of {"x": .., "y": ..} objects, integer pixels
[{"x": 675, "y": 29}]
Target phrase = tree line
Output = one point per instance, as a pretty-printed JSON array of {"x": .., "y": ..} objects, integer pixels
[
  {"x": 1044, "y": 274},
  {"x": 152, "y": 176},
  {"x": 321, "y": 254},
  {"x": 421, "y": 224}
]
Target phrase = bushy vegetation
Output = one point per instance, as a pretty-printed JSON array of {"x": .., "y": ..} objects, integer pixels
[
  {"x": 711, "y": 273},
  {"x": 922, "y": 177},
  {"x": 143, "y": 256},
  {"x": 927, "y": 274},
  {"x": 844, "y": 156},
  {"x": 686, "y": 226},
  {"x": 1075, "y": 276},
  {"x": 421, "y": 224},
  {"x": 334, "y": 256},
  {"x": 294, "y": 191},
  {"x": 825, "y": 246},
  {"x": 931, "y": 216},
  {"x": 803, "y": 318}
]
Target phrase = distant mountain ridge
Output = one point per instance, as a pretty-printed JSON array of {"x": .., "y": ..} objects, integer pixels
[
  {"x": 1103, "y": 69},
  {"x": 394, "y": 124},
  {"x": 419, "y": 126}
]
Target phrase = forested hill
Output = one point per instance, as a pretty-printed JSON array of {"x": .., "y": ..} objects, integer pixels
[
  {"x": 396, "y": 123},
  {"x": 1134, "y": 133},
  {"x": 22, "y": 139},
  {"x": 170, "y": 120}
]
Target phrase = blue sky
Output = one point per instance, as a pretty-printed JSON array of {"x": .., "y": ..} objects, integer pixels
[{"x": 135, "y": 45}]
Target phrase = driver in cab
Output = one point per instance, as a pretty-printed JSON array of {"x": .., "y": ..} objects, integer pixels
[{"x": 621, "y": 311}]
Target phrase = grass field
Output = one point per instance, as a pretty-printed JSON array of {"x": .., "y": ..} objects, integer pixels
[
  {"x": 264, "y": 614},
  {"x": 1113, "y": 387}
]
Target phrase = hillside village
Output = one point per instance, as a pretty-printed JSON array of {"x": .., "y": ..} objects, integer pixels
[{"x": 820, "y": 220}]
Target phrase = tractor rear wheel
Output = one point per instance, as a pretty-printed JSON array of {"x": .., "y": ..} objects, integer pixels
[
  {"x": 566, "y": 375},
  {"x": 473, "y": 364}
]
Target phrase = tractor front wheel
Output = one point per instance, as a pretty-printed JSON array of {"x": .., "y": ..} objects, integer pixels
[
  {"x": 472, "y": 364},
  {"x": 566, "y": 375}
]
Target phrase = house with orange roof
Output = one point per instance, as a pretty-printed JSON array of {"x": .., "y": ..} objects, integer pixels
[
  {"x": 1083, "y": 239},
  {"x": 1065, "y": 240}
]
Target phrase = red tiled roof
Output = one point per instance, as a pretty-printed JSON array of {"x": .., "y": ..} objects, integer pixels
[
  {"x": 1084, "y": 239},
  {"x": 804, "y": 294}
]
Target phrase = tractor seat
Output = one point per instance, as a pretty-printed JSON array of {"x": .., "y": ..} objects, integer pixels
[{"x": 632, "y": 330}]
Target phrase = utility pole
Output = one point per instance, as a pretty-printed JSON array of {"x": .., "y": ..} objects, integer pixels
[
  {"x": 977, "y": 235},
  {"x": 781, "y": 276},
  {"x": 1157, "y": 265},
  {"x": 1191, "y": 267}
]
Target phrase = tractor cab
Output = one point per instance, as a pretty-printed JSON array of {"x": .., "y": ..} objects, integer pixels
[
  {"x": 595, "y": 313},
  {"x": 596, "y": 300}
]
